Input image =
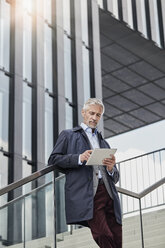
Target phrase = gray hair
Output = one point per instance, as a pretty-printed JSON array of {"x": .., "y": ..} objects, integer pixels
[{"x": 93, "y": 101}]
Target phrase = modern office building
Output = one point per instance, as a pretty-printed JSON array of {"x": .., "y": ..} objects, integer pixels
[{"x": 55, "y": 54}]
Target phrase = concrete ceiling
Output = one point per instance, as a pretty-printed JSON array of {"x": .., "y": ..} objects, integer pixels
[{"x": 133, "y": 78}]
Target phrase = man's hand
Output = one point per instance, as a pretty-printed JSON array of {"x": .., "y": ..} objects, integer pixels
[
  {"x": 85, "y": 156},
  {"x": 110, "y": 162}
]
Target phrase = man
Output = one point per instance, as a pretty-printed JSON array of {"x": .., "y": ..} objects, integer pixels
[{"x": 90, "y": 193}]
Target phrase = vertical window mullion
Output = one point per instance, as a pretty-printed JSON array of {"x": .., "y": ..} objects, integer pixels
[
  {"x": 91, "y": 62},
  {"x": 105, "y": 4},
  {"x": 120, "y": 10},
  {"x": 134, "y": 15},
  {"x": 73, "y": 64},
  {"x": 54, "y": 71},
  {"x": 160, "y": 21},
  {"x": 148, "y": 22}
]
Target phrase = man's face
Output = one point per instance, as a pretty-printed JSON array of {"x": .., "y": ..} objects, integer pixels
[{"x": 92, "y": 115}]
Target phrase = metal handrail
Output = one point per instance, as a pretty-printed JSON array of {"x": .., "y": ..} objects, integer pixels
[
  {"x": 142, "y": 155},
  {"x": 21, "y": 197},
  {"x": 151, "y": 188},
  {"x": 48, "y": 169},
  {"x": 51, "y": 168},
  {"x": 144, "y": 192},
  {"x": 27, "y": 179}
]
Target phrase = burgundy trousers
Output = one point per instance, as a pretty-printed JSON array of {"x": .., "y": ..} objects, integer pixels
[{"x": 105, "y": 230}]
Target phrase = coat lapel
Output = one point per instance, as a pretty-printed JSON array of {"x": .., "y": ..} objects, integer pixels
[
  {"x": 100, "y": 138},
  {"x": 85, "y": 137}
]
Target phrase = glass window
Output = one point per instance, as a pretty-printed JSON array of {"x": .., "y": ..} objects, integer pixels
[
  {"x": 68, "y": 81},
  {"x": 100, "y": 3},
  {"x": 86, "y": 74},
  {"x": 27, "y": 46},
  {"x": 141, "y": 17},
  {"x": 27, "y": 6},
  {"x": 27, "y": 121},
  {"x": 85, "y": 51},
  {"x": 48, "y": 10},
  {"x": 69, "y": 116},
  {"x": 112, "y": 7},
  {"x": 4, "y": 110},
  {"x": 4, "y": 34},
  {"x": 127, "y": 12},
  {"x": 48, "y": 126},
  {"x": 48, "y": 57},
  {"x": 26, "y": 171},
  {"x": 84, "y": 21},
  {"x": 154, "y": 22},
  {"x": 3, "y": 173},
  {"x": 67, "y": 68},
  {"x": 66, "y": 15},
  {"x": 3, "y": 198}
]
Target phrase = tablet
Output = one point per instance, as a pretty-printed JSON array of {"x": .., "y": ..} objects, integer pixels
[{"x": 99, "y": 154}]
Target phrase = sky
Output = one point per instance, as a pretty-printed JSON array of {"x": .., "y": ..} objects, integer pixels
[{"x": 139, "y": 141}]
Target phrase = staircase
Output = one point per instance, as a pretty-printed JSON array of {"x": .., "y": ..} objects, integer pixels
[
  {"x": 154, "y": 233},
  {"x": 154, "y": 230}
]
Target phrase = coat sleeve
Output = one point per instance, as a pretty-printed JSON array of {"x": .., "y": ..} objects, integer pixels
[
  {"x": 115, "y": 174},
  {"x": 59, "y": 157},
  {"x": 115, "y": 177}
]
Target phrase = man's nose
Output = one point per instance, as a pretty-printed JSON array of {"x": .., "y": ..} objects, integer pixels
[{"x": 95, "y": 117}]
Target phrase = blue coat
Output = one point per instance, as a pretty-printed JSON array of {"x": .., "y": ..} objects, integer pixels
[{"x": 79, "y": 178}]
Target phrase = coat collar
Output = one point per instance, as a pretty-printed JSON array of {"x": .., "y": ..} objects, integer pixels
[{"x": 80, "y": 129}]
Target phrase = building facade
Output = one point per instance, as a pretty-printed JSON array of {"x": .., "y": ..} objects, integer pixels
[{"x": 49, "y": 65}]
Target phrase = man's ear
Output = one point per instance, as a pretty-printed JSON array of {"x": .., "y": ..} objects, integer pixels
[{"x": 82, "y": 112}]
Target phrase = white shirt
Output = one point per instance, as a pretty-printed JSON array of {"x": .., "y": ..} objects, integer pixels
[{"x": 93, "y": 139}]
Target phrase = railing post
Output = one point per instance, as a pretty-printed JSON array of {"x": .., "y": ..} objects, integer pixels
[
  {"x": 54, "y": 213},
  {"x": 141, "y": 223},
  {"x": 24, "y": 218},
  {"x": 71, "y": 229},
  {"x": 121, "y": 195}
]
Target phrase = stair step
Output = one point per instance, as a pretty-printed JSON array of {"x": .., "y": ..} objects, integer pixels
[
  {"x": 78, "y": 243},
  {"x": 154, "y": 234},
  {"x": 151, "y": 242},
  {"x": 154, "y": 229}
]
